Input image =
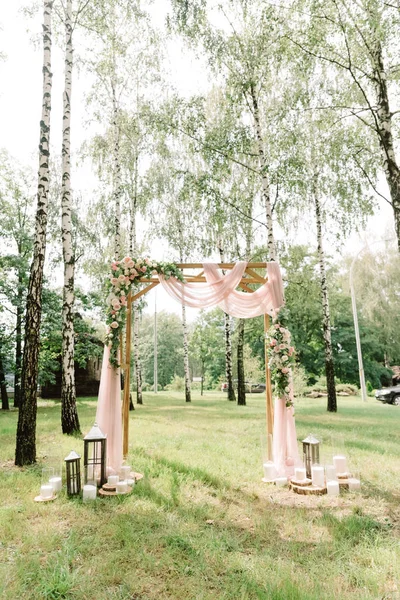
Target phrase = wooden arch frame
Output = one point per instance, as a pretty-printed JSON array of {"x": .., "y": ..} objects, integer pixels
[{"x": 250, "y": 277}]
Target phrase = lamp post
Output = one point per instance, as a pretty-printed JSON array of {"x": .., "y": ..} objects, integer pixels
[{"x": 355, "y": 318}]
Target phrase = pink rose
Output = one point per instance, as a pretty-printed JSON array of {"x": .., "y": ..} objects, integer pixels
[
  {"x": 143, "y": 269},
  {"x": 123, "y": 301},
  {"x": 121, "y": 278},
  {"x": 276, "y": 349},
  {"x": 291, "y": 350},
  {"x": 127, "y": 259},
  {"x": 114, "y": 325},
  {"x": 277, "y": 326},
  {"x": 114, "y": 281},
  {"x": 147, "y": 261},
  {"x": 273, "y": 343},
  {"x": 285, "y": 370},
  {"x": 114, "y": 267},
  {"x": 131, "y": 277},
  {"x": 113, "y": 312}
]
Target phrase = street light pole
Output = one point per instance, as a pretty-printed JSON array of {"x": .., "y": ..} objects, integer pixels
[{"x": 357, "y": 331}]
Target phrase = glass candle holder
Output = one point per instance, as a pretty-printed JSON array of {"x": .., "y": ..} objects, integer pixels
[
  {"x": 354, "y": 482},
  {"x": 318, "y": 475},
  {"x": 46, "y": 488}
]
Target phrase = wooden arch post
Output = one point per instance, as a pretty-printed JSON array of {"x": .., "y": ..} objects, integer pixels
[{"x": 249, "y": 277}]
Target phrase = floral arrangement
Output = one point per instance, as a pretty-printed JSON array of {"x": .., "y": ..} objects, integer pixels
[
  {"x": 125, "y": 273},
  {"x": 281, "y": 356}
]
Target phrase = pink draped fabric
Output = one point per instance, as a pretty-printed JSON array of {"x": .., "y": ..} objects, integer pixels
[
  {"x": 203, "y": 295},
  {"x": 109, "y": 416},
  {"x": 284, "y": 440},
  {"x": 220, "y": 291}
]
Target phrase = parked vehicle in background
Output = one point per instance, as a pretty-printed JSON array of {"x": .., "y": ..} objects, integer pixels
[{"x": 390, "y": 395}]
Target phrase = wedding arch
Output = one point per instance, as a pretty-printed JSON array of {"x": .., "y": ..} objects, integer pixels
[{"x": 197, "y": 285}]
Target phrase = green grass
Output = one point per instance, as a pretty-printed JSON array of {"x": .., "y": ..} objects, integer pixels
[{"x": 201, "y": 524}]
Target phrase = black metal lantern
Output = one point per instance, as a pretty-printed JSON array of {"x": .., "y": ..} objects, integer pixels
[
  {"x": 73, "y": 469},
  {"x": 310, "y": 453},
  {"x": 94, "y": 458}
]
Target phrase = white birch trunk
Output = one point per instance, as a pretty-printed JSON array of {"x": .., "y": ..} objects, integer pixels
[
  {"x": 69, "y": 415},
  {"x": 188, "y": 397},
  {"x": 25, "y": 452},
  {"x": 228, "y": 344},
  {"x": 135, "y": 307},
  {"x": 264, "y": 176},
  {"x": 117, "y": 192},
  {"x": 326, "y": 321},
  {"x": 385, "y": 133}
]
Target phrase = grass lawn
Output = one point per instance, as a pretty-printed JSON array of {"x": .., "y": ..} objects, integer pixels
[{"x": 201, "y": 524}]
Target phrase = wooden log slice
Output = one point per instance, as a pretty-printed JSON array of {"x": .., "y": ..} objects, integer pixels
[
  {"x": 309, "y": 490},
  {"x": 343, "y": 476},
  {"x": 109, "y": 487},
  {"x": 104, "y": 492},
  {"x": 136, "y": 476},
  {"x": 40, "y": 499},
  {"x": 300, "y": 482}
]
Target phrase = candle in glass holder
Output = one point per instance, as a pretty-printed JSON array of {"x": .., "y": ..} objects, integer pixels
[
  {"x": 46, "y": 490},
  {"x": 354, "y": 484},
  {"x": 122, "y": 487},
  {"x": 340, "y": 464},
  {"x": 125, "y": 472},
  {"x": 300, "y": 474},
  {"x": 269, "y": 470},
  {"x": 56, "y": 483},
  {"x": 332, "y": 488},
  {"x": 280, "y": 481},
  {"x": 113, "y": 479},
  {"x": 89, "y": 492},
  {"x": 318, "y": 476}
]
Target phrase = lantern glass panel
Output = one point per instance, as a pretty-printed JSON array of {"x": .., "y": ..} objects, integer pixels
[
  {"x": 95, "y": 456},
  {"x": 311, "y": 450},
  {"x": 73, "y": 473}
]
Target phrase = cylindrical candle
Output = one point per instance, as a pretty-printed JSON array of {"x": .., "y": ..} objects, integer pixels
[
  {"x": 89, "y": 492},
  {"x": 125, "y": 472},
  {"x": 56, "y": 483},
  {"x": 130, "y": 482},
  {"x": 46, "y": 491},
  {"x": 122, "y": 487},
  {"x": 332, "y": 488},
  {"x": 318, "y": 476},
  {"x": 113, "y": 479},
  {"x": 354, "y": 484},
  {"x": 281, "y": 481},
  {"x": 300, "y": 474},
  {"x": 269, "y": 470},
  {"x": 340, "y": 464}
]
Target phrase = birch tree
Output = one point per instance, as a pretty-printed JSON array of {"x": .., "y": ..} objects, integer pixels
[
  {"x": 25, "y": 452},
  {"x": 69, "y": 414},
  {"x": 357, "y": 41}
]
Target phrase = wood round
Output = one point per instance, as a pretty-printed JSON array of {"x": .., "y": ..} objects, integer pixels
[
  {"x": 40, "y": 499},
  {"x": 300, "y": 482},
  {"x": 309, "y": 490},
  {"x": 103, "y": 492}
]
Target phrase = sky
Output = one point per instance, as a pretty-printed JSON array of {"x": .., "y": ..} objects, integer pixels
[{"x": 20, "y": 109}]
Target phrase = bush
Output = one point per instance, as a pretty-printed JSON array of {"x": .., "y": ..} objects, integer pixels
[{"x": 177, "y": 384}]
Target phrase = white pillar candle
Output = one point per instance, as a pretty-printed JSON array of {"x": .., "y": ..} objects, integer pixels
[
  {"x": 113, "y": 479},
  {"x": 56, "y": 483},
  {"x": 281, "y": 481},
  {"x": 332, "y": 488},
  {"x": 125, "y": 472},
  {"x": 89, "y": 492},
  {"x": 46, "y": 491},
  {"x": 318, "y": 476},
  {"x": 269, "y": 470},
  {"x": 122, "y": 487},
  {"x": 340, "y": 464},
  {"x": 300, "y": 474},
  {"x": 130, "y": 482},
  {"x": 354, "y": 484}
]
